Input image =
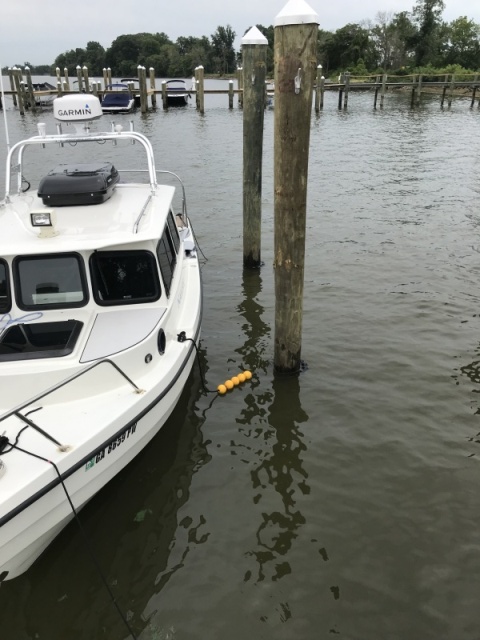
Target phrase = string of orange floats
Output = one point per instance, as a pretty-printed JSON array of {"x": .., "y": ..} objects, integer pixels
[{"x": 234, "y": 382}]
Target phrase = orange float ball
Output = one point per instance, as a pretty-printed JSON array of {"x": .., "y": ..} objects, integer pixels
[
  {"x": 221, "y": 389},
  {"x": 247, "y": 374},
  {"x": 228, "y": 384},
  {"x": 235, "y": 381},
  {"x": 241, "y": 377}
]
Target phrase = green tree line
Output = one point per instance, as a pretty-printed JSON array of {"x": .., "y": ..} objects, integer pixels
[{"x": 416, "y": 40}]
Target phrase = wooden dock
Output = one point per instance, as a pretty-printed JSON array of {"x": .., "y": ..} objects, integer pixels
[{"x": 25, "y": 97}]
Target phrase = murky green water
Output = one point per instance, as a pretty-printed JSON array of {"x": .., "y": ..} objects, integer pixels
[{"x": 342, "y": 502}]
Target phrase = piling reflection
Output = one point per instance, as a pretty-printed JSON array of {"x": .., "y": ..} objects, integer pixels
[
  {"x": 131, "y": 526},
  {"x": 270, "y": 424},
  {"x": 282, "y": 470},
  {"x": 255, "y": 328}
]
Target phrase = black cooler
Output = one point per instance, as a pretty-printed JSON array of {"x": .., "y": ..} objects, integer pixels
[{"x": 78, "y": 184}]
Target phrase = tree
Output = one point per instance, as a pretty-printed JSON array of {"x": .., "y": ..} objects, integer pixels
[
  {"x": 223, "y": 53},
  {"x": 463, "y": 43},
  {"x": 346, "y": 46},
  {"x": 427, "y": 17}
]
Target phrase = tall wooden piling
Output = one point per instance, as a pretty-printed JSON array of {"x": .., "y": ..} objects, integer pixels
[
  {"x": 295, "y": 55},
  {"x": 199, "y": 74},
  {"x": 384, "y": 90},
  {"x": 474, "y": 90},
  {"x": 79, "y": 78},
  {"x": 17, "y": 78},
  {"x": 151, "y": 72},
  {"x": 105, "y": 79},
  {"x": 340, "y": 91},
  {"x": 419, "y": 89},
  {"x": 254, "y": 51},
  {"x": 66, "y": 82},
  {"x": 30, "y": 94},
  {"x": 318, "y": 90},
  {"x": 86, "y": 82},
  {"x": 240, "y": 86},
  {"x": 164, "y": 95},
  {"x": 11, "y": 77},
  {"x": 347, "y": 89},
  {"x": 452, "y": 88},
  {"x": 230, "y": 94},
  {"x": 142, "y": 81}
]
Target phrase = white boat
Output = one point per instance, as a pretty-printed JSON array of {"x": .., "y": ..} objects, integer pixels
[{"x": 100, "y": 315}]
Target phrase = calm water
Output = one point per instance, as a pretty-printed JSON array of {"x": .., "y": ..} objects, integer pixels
[{"x": 340, "y": 503}]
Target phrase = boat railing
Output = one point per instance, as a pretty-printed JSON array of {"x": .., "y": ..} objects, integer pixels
[
  {"x": 65, "y": 382},
  {"x": 15, "y": 155}
]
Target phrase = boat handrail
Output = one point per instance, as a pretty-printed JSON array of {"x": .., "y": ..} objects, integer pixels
[
  {"x": 63, "y": 139},
  {"x": 66, "y": 381}
]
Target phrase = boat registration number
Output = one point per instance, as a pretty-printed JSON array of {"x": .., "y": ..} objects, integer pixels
[{"x": 111, "y": 447}]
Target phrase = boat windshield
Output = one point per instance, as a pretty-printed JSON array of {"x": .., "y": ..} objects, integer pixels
[{"x": 50, "y": 281}]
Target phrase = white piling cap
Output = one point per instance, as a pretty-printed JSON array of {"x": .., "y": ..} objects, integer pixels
[
  {"x": 296, "y": 12},
  {"x": 254, "y": 36}
]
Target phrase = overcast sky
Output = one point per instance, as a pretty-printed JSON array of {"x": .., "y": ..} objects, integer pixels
[{"x": 37, "y": 32}]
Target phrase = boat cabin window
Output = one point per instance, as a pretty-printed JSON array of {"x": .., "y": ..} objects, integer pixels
[
  {"x": 172, "y": 225},
  {"x": 22, "y": 341},
  {"x": 167, "y": 258},
  {"x": 50, "y": 281},
  {"x": 124, "y": 277},
  {"x": 5, "y": 299}
]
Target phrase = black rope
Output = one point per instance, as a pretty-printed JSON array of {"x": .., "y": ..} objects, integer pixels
[
  {"x": 85, "y": 537},
  {"x": 182, "y": 337}
]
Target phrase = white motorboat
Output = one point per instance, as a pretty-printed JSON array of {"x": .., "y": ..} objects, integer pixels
[
  {"x": 118, "y": 99},
  {"x": 100, "y": 315},
  {"x": 177, "y": 93}
]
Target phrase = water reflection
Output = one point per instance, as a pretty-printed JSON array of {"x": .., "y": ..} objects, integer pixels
[
  {"x": 131, "y": 526},
  {"x": 270, "y": 423}
]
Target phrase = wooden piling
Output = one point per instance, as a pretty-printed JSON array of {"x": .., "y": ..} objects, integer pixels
[
  {"x": 86, "y": 81},
  {"x": 142, "y": 81},
  {"x": 230, "y": 94},
  {"x": 414, "y": 88},
  {"x": 17, "y": 78},
  {"x": 347, "y": 89},
  {"x": 151, "y": 72},
  {"x": 66, "y": 82},
  {"x": 58, "y": 74},
  {"x": 240, "y": 86},
  {"x": 201, "y": 95},
  {"x": 59, "y": 89},
  {"x": 79, "y": 78},
  {"x": 105, "y": 79},
  {"x": 295, "y": 55},
  {"x": 474, "y": 91},
  {"x": 30, "y": 93},
  {"x": 419, "y": 89},
  {"x": 384, "y": 90},
  {"x": 254, "y": 52},
  {"x": 11, "y": 77},
  {"x": 164, "y": 95},
  {"x": 318, "y": 89},
  {"x": 340, "y": 92},
  {"x": 452, "y": 87},
  {"x": 444, "y": 92}
]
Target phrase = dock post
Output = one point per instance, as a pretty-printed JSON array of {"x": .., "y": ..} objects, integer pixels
[
  {"x": 142, "y": 81},
  {"x": 201, "y": 95},
  {"x": 79, "y": 78},
  {"x": 318, "y": 89},
  {"x": 444, "y": 92},
  {"x": 164, "y": 95},
  {"x": 11, "y": 75},
  {"x": 414, "y": 88},
  {"x": 86, "y": 81},
  {"x": 295, "y": 55},
  {"x": 254, "y": 51},
  {"x": 340, "y": 91},
  {"x": 30, "y": 94},
  {"x": 474, "y": 90},
  {"x": 66, "y": 82},
  {"x": 347, "y": 89},
  {"x": 452, "y": 87},
  {"x": 240, "y": 86},
  {"x": 384, "y": 90},
  {"x": 419, "y": 89},
  {"x": 94, "y": 88},
  {"x": 17, "y": 79},
  {"x": 376, "y": 93},
  {"x": 230, "y": 94},
  {"x": 59, "y": 89},
  {"x": 105, "y": 79},
  {"x": 58, "y": 74},
  {"x": 151, "y": 72}
]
